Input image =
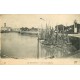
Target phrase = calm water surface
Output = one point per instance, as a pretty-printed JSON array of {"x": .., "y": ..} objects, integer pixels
[{"x": 18, "y": 46}]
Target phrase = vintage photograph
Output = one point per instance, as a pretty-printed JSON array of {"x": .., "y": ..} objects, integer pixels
[{"x": 40, "y": 36}]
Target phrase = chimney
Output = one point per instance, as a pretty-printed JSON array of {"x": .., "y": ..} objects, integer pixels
[{"x": 4, "y": 24}]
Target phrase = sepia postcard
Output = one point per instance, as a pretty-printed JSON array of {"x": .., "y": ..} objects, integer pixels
[{"x": 39, "y": 39}]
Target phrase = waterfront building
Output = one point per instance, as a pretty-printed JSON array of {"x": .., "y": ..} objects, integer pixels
[
  {"x": 78, "y": 28},
  {"x": 72, "y": 29},
  {"x": 5, "y": 28},
  {"x": 59, "y": 28}
]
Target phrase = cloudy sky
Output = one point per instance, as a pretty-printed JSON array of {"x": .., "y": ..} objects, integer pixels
[{"x": 33, "y": 20}]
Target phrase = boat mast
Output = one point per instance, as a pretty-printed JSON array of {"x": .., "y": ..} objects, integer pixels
[{"x": 38, "y": 45}]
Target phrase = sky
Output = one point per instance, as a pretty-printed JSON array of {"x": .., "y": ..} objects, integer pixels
[{"x": 33, "y": 20}]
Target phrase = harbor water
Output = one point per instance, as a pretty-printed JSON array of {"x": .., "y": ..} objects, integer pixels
[{"x": 14, "y": 45}]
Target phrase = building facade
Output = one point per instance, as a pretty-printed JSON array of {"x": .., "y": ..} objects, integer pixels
[
  {"x": 72, "y": 29},
  {"x": 5, "y": 28}
]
